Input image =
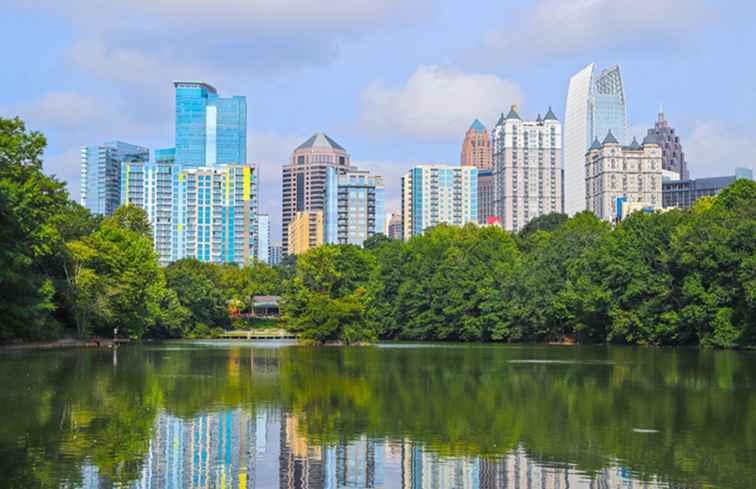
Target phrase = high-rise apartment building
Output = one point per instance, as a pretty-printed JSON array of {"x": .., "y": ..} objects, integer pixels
[
  {"x": 673, "y": 157},
  {"x": 305, "y": 177},
  {"x": 622, "y": 178},
  {"x": 436, "y": 193},
  {"x": 150, "y": 187},
  {"x": 101, "y": 174},
  {"x": 394, "y": 228},
  {"x": 218, "y": 214},
  {"x": 595, "y": 105},
  {"x": 306, "y": 231},
  {"x": 527, "y": 174},
  {"x": 476, "y": 148},
  {"x": 263, "y": 238},
  {"x": 210, "y": 129},
  {"x": 486, "y": 199},
  {"x": 354, "y": 206}
]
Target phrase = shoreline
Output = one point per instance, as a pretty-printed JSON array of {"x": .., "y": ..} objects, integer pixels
[{"x": 59, "y": 344}]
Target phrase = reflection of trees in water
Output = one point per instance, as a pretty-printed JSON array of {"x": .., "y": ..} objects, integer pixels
[{"x": 461, "y": 411}]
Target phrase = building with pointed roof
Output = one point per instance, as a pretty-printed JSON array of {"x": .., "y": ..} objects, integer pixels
[
  {"x": 527, "y": 168},
  {"x": 305, "y": 179},
  {"x": 673, "y": 157},
  {"x": 621, "y": 179},
  {"x": 476, "y": 148}
]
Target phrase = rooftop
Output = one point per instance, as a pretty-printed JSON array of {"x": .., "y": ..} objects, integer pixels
[
  {"x": 320, "y": 140},
  {"x": 478, "y": 126}
]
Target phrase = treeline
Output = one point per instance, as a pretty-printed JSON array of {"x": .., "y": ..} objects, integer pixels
[
  {"x": 671, "y": 278},
  {"x": 61, "y": 268},
  {"x": 668, "y": 278}
]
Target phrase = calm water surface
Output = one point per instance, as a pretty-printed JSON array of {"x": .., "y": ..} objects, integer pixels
[{"x": 243, "y": 415}]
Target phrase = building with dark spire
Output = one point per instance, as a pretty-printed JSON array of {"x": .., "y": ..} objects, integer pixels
[{"x": 673, "y": 157}]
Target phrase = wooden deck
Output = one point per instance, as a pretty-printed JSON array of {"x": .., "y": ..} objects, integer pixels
[{"x": 259, "y": 334}]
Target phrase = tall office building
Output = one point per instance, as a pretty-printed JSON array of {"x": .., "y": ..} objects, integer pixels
[
  {"x": 354, "y": 206},
  {"x": 476, "y": 148},
  {"x": 150, "y": 187},
  {"x": 622, "y": 179},
  {"x": 394, "y": 228},
  {"x": 101, "y": 174},
  {"x": 435, "y": 193},
  {"x": 210, "y": 129},
  {"x": 595, "y": 105},
  {"x": 527, "y": 176},
  {"x": 263, "y": 238},
  {"x": 305, "y": 232},
  {"x": 673, "y": 157},
  {"x": 304, "y": 178}
]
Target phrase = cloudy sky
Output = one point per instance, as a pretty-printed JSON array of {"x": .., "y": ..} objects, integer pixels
[{"x": 396, "y": 82}]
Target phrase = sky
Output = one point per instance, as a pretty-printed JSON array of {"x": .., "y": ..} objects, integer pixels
[{"x": 396, "y": 82}]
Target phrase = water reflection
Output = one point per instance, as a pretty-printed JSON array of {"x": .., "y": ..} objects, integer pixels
[
  {"x": 234, "y": 449},
  {"x": 229, "y": 416}
]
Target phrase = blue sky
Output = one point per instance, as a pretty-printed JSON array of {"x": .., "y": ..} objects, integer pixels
[{"x": 396, "y": 82}]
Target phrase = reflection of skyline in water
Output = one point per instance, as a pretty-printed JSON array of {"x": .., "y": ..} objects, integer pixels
[{"x": 233, "y": 449}]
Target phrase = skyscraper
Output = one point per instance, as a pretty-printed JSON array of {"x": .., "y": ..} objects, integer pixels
[
  {"x": 435, "y": 193},
  {"x": 210, "y": 129},
  {"x": 304, "y": 178},
  {"x": 476, "y": 148},
  {"x": 486, "y": 204},
  {"x": 218, "y": 221},
  {"x": 354, "y": 206},
  {"x": 101, "y": 174},
  {"x": 595, "y": 105},
  {"x": 673, "y": 158},
  {"x": 263, "y": 238},
  {"x": 150, "y": 187},
  {"x": 527, "y": 177},
  {"x": 621, "y": 179}
]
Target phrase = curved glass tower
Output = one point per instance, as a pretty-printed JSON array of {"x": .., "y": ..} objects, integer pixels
[{"x": 595, "y": 105}]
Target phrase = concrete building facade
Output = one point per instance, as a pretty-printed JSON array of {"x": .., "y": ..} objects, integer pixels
[
  {"x": 476, "y": 147},
  {"x": 394, "y": 227},
  {"x": 527, "y": 175},
  {"x": 437, "y": 193},
  {"x": 305, "y": 232},
  {"x": 620, "y": 177},
  {"x": 305, "y": 178}
]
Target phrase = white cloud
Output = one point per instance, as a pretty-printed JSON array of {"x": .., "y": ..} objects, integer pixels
[
  {"x": 562, "y": 27},
  {"x": 69, "y": 110},
  {"x": 436, "y": 103},
  {"x": 714, "y": 149},
  {"x": 66, "y": 166}
]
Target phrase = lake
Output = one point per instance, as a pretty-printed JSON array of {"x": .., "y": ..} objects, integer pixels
[{"x": 275, "y": 415}]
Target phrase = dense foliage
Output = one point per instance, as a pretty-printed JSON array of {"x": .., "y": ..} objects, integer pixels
[
  {"x": 677, "y": 277},
  {"x": 670, "y": 278}
]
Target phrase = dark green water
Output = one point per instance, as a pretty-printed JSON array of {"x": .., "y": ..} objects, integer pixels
[{"x": 238, "y": 415}]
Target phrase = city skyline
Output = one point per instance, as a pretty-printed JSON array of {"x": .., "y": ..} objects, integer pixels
[{"x": 350, "y": 74}]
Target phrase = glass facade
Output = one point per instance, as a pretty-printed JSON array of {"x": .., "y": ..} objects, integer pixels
[
  {"x": 595, "y": 105},
  {"x": 354, "y": 206},
  {"x": 436, "y": 194},
  {"x": 263, "y": 238},
  {"x": 101, "y": 174},
  {"x": 210, "y": 129}
]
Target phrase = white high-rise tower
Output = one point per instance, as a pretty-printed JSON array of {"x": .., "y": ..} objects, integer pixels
[{"x": 595, "y": 105}]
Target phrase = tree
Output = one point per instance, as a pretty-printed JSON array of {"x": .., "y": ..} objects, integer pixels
[
  {"x": 196, "y": 290},
  {"x": 29, "y": 202}
]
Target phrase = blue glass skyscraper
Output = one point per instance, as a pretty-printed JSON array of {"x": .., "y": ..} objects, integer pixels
[
  {"x": 101, "y": 174},
  {"x": 210, "y": 130}
]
